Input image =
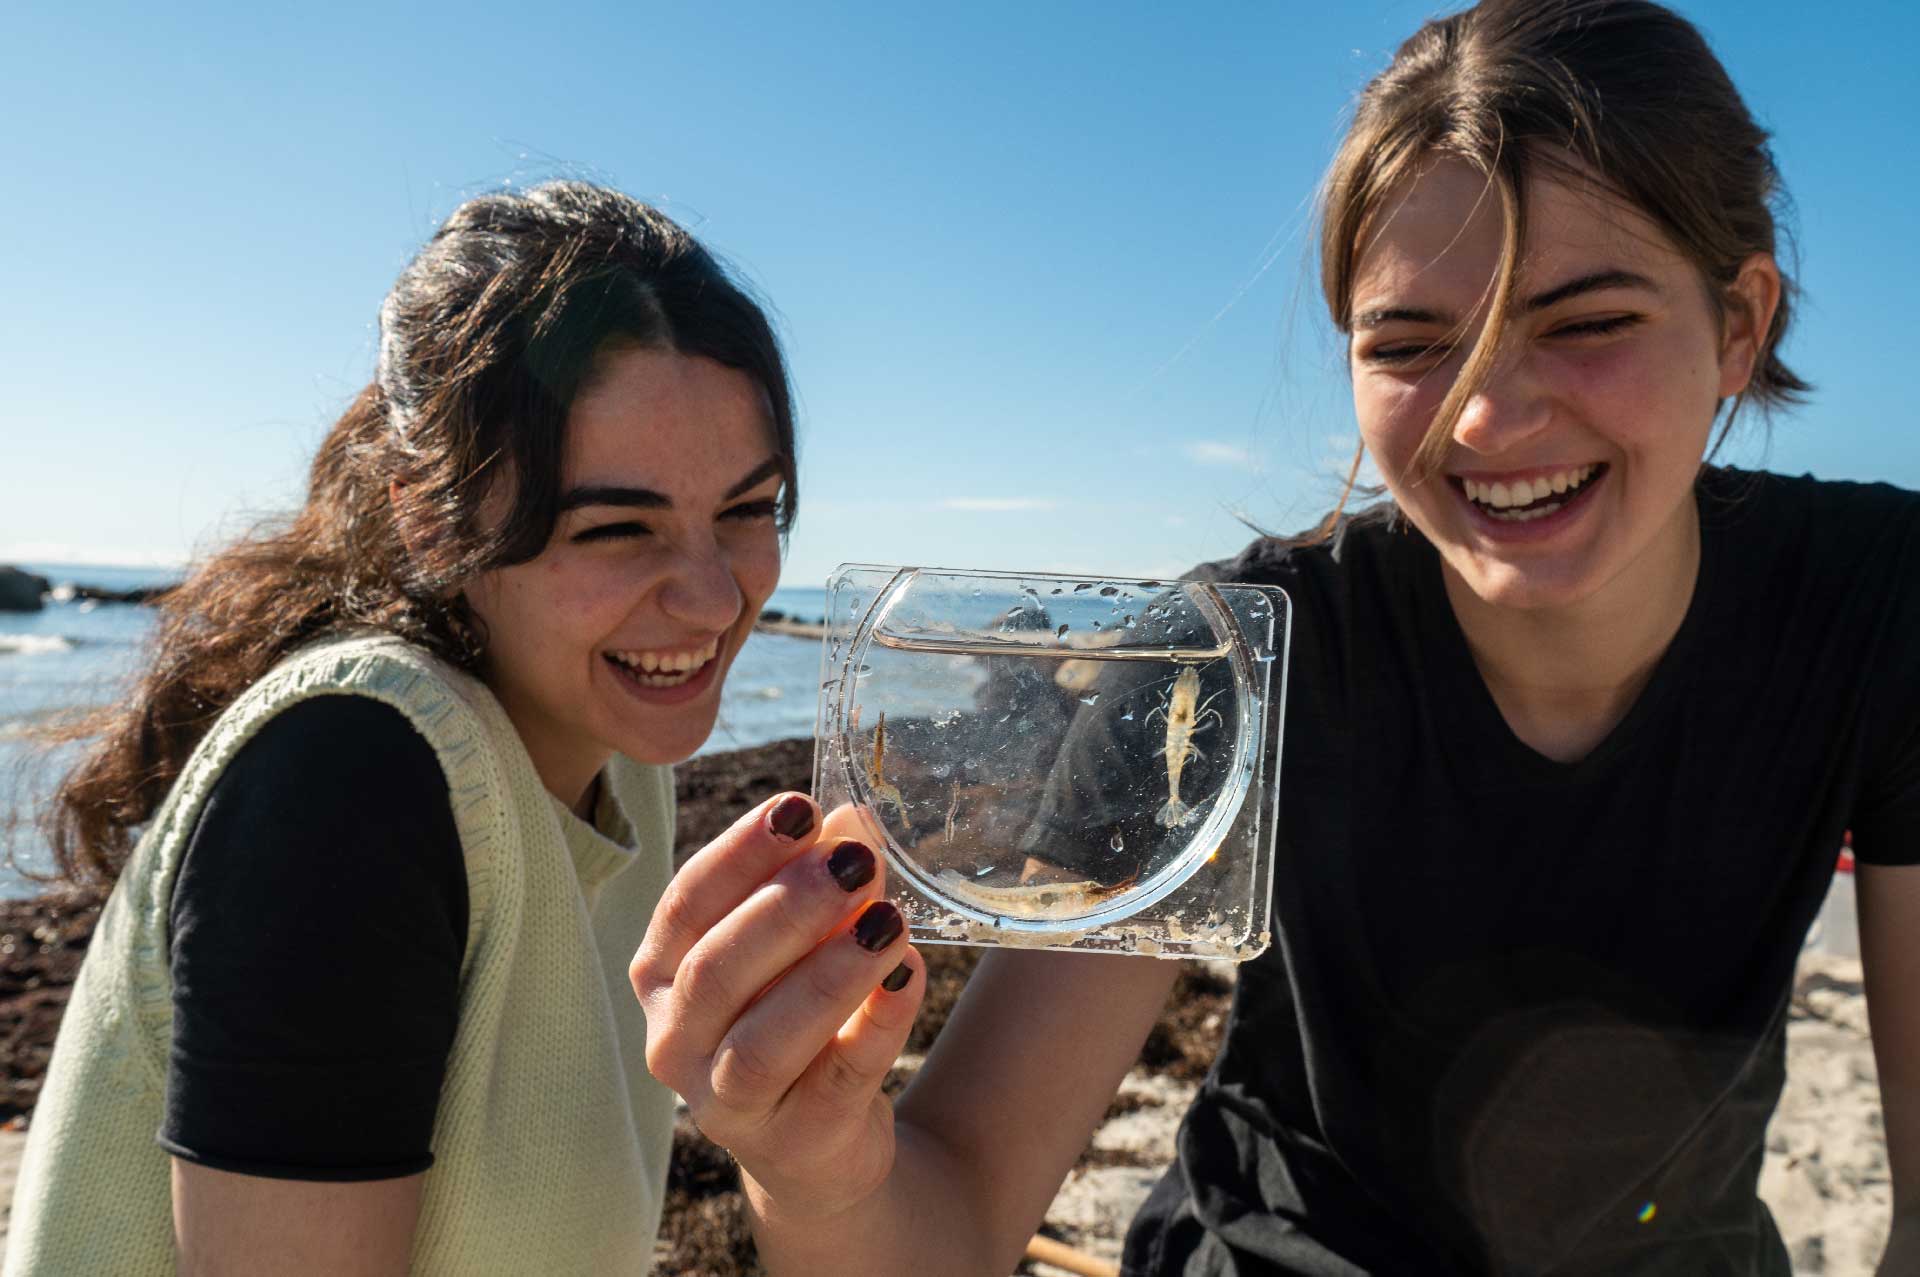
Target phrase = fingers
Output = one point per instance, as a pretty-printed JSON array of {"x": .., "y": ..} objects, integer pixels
[
  {"x": 824, "y": 1006},
  {"x": 716, "y": 879},
  {"x": 849, "y": 821},
  {"x": 821, "y": 894},
  {"x": 849, "y": 1072}
]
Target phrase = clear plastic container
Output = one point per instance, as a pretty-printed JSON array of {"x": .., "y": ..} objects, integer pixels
[{"x": 1060, "y": 762}]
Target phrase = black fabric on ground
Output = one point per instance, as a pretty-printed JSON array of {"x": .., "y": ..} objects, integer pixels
[
  {"x": 1523, "y": 1016},
  {"x": 318, "y": 925}
]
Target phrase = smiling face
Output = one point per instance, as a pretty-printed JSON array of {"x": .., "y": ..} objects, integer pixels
[
  {"x": 618, "y": 635},
  {"x": 1568, "y": 476}
]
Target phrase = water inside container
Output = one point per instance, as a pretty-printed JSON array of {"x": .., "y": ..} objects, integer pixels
[{"x": 1053, "y": 761}]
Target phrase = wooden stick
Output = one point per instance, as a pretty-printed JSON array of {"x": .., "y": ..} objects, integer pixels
[{"x": 1048, "y": 1251}]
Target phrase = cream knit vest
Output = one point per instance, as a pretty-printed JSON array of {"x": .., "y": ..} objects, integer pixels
[{"x": 551, "y": 1141}]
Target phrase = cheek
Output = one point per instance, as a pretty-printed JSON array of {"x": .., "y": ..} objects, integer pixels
[
  {"x": 1647, "y": 401},
  {"x": 1393, "y": 416},
  {"x": 756, "y": 569}
]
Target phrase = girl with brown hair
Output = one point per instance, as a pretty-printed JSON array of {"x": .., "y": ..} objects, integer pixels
[
  {"x": 1574, "y": 725},
  {"x": 390, "y": 805}
]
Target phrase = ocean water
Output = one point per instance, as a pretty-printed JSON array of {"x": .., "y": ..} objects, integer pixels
[{"x": 76, "y": 654}]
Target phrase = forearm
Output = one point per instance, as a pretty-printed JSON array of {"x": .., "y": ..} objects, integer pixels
[{"x": 923, "y": 1219}]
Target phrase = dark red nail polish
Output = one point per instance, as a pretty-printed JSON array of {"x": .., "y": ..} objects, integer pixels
[
  {"x": 878, "y": 926},
  {"x": 851, "y": 865},
  {"x": 897, "y": 978},
  {"x": 791, "y": 817}
]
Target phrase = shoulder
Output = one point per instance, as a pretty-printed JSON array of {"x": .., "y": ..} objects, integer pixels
[
  {"x": 358, "y": 745},
  {"x": 1829, "y": 514},
  {"x": 1370, "y": 564},
  {"x": 1364, "y": 538}
]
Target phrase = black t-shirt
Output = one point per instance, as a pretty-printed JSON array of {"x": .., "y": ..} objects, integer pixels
[
  {"x": 1523, "y": 1016},
  {"x": 317, "y": 925}
]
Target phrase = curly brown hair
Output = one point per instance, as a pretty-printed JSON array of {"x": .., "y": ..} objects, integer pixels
[{"x": 484, "y": 341}]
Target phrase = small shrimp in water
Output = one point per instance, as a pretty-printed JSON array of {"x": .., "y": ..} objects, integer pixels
[
  {"x": 1186, "y": 718},
  {"x": 877, "y": 783}
]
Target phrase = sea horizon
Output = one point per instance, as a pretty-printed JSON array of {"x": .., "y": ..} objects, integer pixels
[{"x": 77, "y": 653}]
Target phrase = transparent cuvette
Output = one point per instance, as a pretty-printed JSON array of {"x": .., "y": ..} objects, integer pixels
[{"x": 1059, "y": 762}]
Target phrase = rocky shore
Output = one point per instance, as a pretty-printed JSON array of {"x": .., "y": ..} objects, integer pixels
[{"x": 1825, "y": 1180}]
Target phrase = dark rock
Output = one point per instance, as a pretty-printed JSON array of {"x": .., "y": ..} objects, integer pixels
[
  {"x": 140, "y": 594},
  {"x": 21, "y": 591}
]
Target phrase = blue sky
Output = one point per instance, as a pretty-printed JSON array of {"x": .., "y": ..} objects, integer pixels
[{"x": 1042, "y": 270}]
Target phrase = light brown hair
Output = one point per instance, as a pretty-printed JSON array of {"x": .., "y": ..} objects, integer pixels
[{"x": 1624, "y": 93}]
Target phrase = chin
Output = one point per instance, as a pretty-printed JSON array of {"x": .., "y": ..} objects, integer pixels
[
  {"x": 1525, "y": 588},
  {"x": 666, "y": 748}
]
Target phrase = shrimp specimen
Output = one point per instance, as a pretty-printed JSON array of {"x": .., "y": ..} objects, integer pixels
[
  {"x": 1186, "y": 718},
  {"x": 877, "y": 783}
]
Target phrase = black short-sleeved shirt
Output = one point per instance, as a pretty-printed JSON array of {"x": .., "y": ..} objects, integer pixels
[
  {"x": 317, "y": 927},
  {"x": 1524, "y": 1016}
]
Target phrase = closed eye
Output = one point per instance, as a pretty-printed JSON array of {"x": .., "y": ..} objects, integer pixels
[
  {"x": 612, "y": 532},
  {"x": 1596, "y": 327},
  {"x": 1410, "y": 352},
  {"x": 1405, "y": 353}
]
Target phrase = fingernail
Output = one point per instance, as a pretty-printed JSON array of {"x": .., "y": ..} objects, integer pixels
[
  {"x": 897, "y": 978},
  {"x": 851, "y": 865},
  {"x": 878, "y": 926},
  {"x": 791, "y": 817}
]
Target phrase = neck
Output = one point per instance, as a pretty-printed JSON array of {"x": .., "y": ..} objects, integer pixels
[{"x": 1564, "y": 677}]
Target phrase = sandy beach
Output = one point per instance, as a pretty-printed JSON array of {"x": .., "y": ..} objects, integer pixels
[{"x": 1825, "y": 1178}]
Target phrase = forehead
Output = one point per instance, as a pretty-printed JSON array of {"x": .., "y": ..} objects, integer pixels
[
  {"x": 649, "y": 413},
  {"x": 1436, "y": 237}
]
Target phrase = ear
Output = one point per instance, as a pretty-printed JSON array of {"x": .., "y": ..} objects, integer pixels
[{"x": 1749, "y": 305}]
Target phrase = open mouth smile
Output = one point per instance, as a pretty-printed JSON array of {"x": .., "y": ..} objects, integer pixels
[
  {"x": 658, "y": 668},
  {"x": 1524, "y": 500}
]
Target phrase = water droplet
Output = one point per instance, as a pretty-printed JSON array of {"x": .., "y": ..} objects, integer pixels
[
  {"x": 1127, "y": 717},
  {"x": 1062, "y": 631},
  {"x": 1107, "y": 591},
  {"x": 1149, "y": 585},
  {"x": 1091, "y": 698},
  {"x": 1128, "y": 618},
  {"x": 1117, "y": 842},
  {"x": 1028, "y": 589},
  {"x": 983, "y": 871},
  {"x": 1083, "y": 587},
  {"x": 1054, "y": 590},
  {"x": 1096, "y": 625},
  {"x": 864, "y": 669}
]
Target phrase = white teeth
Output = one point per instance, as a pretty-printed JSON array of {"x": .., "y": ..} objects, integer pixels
[
  {"x": 1525, "y": 493},
  {"x": 1527, "y": 515},
  {"x": 666, "y": 669}
]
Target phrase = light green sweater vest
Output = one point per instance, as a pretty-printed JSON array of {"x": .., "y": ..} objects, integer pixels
[{"x": 551, "y": 1141}]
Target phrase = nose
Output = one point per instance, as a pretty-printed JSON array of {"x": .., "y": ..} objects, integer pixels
[
  {"x": 701, "y": 591},
  {"x": 1510, "y": 406}
]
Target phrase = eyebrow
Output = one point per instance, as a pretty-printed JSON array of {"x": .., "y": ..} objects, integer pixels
[
  {"x": 648, "y": 499},
  {"x": 1540, "y": 301}
]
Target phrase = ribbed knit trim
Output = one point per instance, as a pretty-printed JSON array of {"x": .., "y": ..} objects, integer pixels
[{"x": 386, "y": 669}]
